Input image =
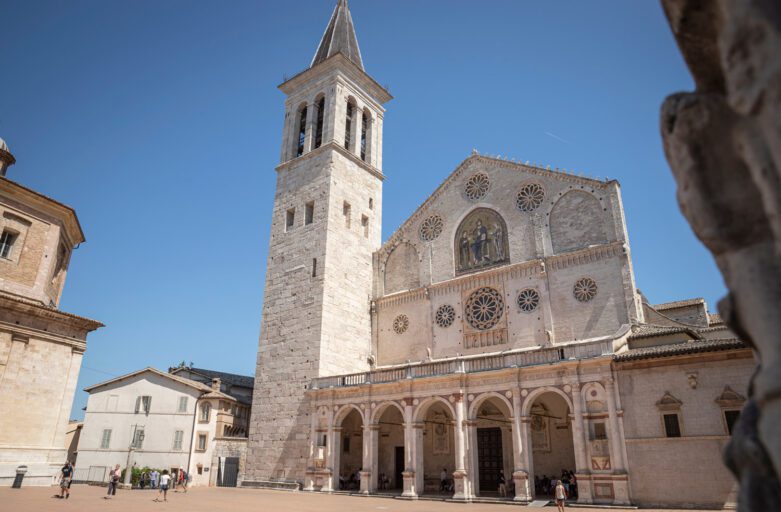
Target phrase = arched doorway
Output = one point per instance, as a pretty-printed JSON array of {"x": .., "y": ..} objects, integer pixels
[
  {"x": 390, "y": 449},
  {"x": 493, "y": 445},
  {"x": 350, "y": 450},
  {"x": 435, "y": 447},
  {"x": 551, "y": 441}
]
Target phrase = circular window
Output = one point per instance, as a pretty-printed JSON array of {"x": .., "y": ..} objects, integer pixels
[
  {"x": 530, "y": 197},
  {"x": 476, "y": 186},
  {"x": 484, "y": 308},
  {"x": 528, "y": 300},
  {"x": 400, "y": 324},
  {"x": 445, "y": 315},
  {"x": 585, "y": 289},
  {"x": 431, "y": 228}
]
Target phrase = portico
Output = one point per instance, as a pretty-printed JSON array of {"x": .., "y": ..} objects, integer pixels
[{"x": 414, "y": 421}]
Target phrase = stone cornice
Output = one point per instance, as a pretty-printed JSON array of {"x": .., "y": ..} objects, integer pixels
[
  {"x": 55, "y": 209},
  {"x": 19, "y": 331},
  {"x": 36, "y": 309},
  {"x": 496, "y": 275},
  {"x": 332, "y": 145}
]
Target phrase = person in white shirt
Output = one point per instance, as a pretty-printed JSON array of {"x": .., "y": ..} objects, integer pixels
[
  {"x": 165, "y": 478},
  {"x": 560, "y": 493}
]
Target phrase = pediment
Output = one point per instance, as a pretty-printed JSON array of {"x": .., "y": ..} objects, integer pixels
[
  {"x": 730, "y": 398},
  {"x": 668, "y": 402}
]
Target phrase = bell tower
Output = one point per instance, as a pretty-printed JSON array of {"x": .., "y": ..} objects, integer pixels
[{"x": 326, "y": 225}]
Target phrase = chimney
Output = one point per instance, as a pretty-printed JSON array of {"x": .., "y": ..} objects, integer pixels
[{"x": 216, "y": 383}]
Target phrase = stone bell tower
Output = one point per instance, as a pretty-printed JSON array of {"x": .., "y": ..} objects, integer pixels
[{"x": 326, "y": 225}]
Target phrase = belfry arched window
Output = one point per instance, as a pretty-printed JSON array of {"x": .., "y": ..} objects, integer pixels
[
  {"x": 364, "y": 128},
  {"x": 348, "y": 124},
  {"x": 320, "y": 105},
  {"x": 301, "y": 131}
]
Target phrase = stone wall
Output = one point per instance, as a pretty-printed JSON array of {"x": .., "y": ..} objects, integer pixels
[{"x": 228, "y": 447}]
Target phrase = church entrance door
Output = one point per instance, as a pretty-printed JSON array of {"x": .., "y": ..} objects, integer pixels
[{"x": 489, "y": 459}]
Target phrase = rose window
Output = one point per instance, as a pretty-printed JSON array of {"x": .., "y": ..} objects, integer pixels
[
  {"x": 484, "y": 308},
  {"x": 431, "y": 228},
  {"x": 400, "y": 324},
  {"x": 585, "y": 289},
  {"x": 528, "y": 300},
  {"x": 445, "y": 315},
  {"x": 530, "y": 197},
  {"x": 476, "y": 186}
]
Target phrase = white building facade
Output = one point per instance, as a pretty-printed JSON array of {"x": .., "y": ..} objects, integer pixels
[{"x": 153, "y": 419}]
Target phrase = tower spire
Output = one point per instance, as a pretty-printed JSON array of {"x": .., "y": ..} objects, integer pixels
[{"x": 339, "y": 37}]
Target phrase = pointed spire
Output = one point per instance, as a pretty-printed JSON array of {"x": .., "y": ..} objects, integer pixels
[{"x": 339, "y": 37}]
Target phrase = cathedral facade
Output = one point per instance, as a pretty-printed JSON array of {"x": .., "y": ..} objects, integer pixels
[{"x": 497, "y": 335}]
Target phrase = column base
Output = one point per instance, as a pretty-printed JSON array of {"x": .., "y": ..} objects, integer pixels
[
  {"x": 460, "y": 483},
  {"x": 365, "y": 482},
  {"x": 409, "y": 492},
  {"x": 522, "y": 490}
]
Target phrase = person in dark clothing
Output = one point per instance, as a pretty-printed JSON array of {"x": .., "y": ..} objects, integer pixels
[{"x": 66, "y": 479}]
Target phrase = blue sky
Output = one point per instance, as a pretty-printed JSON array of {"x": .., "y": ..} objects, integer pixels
[{"x": 160, "y": 123}]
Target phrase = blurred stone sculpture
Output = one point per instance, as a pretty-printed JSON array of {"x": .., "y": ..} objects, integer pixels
[{"x": 723, "y": 142}]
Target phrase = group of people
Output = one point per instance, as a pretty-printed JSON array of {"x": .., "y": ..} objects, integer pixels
[
  {"x": 561, "y": 489},
  {"x": 352, "y": 482},
  {"x": 153, "y": 478}
]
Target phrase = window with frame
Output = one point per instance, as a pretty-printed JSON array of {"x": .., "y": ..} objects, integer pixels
[
  {"x": 730, "y": 419},
  {"x": 672, "y": 425},
  {"x": 364, "y": 127},
  {"x": 600, "y": 432},
  {"x": 202, "y": 439},
  {"x": 7, "y": 241},
  {"x": 309, "y": 213},
  {"x": 205, "y": 412},
  {"x": 182, "y": 404},
  {"x": 314, "y": 267},
  {"x": 138, "y": 438},
  {"x": 178, "y": 438},
  {"x": 301, "y": 132},
  {"x": 143, "y": 404},
  {"x": 346, "y": 210},
  {"x": 290, "y": 219},
  {"x": 348, "y": 125},
  {"x": 319, "y": 122},
  {"x": 105, "y": 440},
  {"x": 365, "y": 225}
]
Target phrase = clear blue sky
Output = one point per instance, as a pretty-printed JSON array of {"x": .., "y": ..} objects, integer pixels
[{"x": 160, "y": 123}]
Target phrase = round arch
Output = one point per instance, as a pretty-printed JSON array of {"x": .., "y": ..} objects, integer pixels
[
  {"x": 483, "y": 397},
  {"x": 426, "y": 404},
  {"x": 344, "y": 411},
  {"x": 480, "y": 240},
  {"x": 527, "y": 404},
  {"x": 375, "y": 416}
]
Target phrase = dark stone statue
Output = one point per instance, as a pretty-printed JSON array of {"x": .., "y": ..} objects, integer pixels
[{"x": 723, "y": 143}]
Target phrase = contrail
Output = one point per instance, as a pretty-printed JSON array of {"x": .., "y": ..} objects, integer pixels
[{"x": 549, "y": 134}]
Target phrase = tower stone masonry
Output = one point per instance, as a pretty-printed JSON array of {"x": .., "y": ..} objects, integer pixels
[{"x": 326, "y": 225}]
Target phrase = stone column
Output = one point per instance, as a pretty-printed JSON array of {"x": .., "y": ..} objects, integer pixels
[
  {"x": 309, "y": 481},
  {"x": 366, "y": 470},
  {"x": 460, "y": 474},
  {"x": 355, "y": 143},
  {"x": 374, "y": 432},
  {"x": 526, "y": 459},
  {"x": 417, "y": 455},
  {"x": 520, "y": 465},
  {"x": 410, "y": 450},
  {"x": 621, "y": 481},
  {"x": 309, "y": 137},
  {"x": 472, "y": 461},
  {"x": 330, "y": 454},
  {"x": 582, "y": 467}
]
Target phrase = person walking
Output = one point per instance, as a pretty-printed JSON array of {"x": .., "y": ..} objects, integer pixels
[
  {"x": 66, "y": 479},
  {"x": 154, "y": 476},
  {"x": 165, "y": 478},
  {"x": 185, "y": 479},
  {"x": 443, "y": 480},
  {"x": 502, "y": 485},
  {"x": 560, "y": 494},
  {"x": 113, "y": 481}
]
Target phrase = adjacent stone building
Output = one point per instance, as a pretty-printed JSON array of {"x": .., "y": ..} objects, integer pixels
[
  {"x": 498, "y": 330},
  {"x": 41, "y": 346}
]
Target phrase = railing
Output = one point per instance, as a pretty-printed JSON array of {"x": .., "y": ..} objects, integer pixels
[{"x": 469, "y": 364}]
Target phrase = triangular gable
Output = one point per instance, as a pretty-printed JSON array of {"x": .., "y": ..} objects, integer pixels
[
  {"x": 668, "y": 402},
  {"x": 730, "y": 398}
]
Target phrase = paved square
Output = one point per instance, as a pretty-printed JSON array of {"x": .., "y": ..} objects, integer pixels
[{"x": 85, "y": 498}]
